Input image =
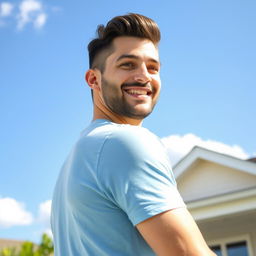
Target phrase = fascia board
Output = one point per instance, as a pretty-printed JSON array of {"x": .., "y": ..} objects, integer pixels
[
  {"x": 218, "y": 158},
  {"x": 223, "y": 205},
  {"x": 238, "y": 195}
]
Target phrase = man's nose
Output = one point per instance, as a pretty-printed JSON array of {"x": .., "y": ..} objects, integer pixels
[{"x": 142, "y": 75}]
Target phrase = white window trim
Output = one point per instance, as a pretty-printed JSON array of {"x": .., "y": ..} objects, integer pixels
[{"x": 235, "y": 239}]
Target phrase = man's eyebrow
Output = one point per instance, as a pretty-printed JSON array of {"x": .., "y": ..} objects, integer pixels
[{"x": 132, "y": 56}]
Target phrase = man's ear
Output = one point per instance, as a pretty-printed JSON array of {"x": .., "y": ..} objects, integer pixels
[{"x": 93, "y": 79}]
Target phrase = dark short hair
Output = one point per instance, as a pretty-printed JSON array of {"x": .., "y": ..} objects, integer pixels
[{"x": 131, "y": 24}]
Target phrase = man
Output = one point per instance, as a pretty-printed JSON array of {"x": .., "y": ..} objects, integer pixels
[{"x": 116, "y": 194}]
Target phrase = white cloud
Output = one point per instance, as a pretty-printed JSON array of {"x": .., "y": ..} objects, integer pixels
[
  {"x": 5, "y": 9},
  {"x": 13, "y": 213},
  {"x": 31, "y": 11},
  {"x": 40, "y": 20},
  {"x": 44, "y": 214},
  {"x": 26, "y": 12},
  {"x": 178, "y": 146}
]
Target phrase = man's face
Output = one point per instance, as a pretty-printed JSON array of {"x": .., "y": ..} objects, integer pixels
[{"x": 130, "y": 83}]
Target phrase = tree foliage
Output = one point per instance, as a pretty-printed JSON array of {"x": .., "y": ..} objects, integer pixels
[{"x": 45, "y": 248}]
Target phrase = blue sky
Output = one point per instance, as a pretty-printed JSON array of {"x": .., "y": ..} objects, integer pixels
[{"x": 208, "y": 89}]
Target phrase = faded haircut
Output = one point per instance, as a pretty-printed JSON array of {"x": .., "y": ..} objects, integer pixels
[{"x": 132, "y": 24}]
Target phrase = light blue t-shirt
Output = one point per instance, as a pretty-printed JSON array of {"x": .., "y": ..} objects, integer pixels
[{"x": 115, "y": 177}]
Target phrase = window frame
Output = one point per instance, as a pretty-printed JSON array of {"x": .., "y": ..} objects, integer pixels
[{"x": 232, "y": 239}]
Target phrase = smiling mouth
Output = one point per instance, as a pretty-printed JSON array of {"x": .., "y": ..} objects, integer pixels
[{"x": 138, "y": 91}]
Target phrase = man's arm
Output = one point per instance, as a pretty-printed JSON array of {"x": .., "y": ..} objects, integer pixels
[{"x": 174, "y": 233}]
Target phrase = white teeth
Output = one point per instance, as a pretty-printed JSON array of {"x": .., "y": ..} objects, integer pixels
[{"x": 138, "y": 92}]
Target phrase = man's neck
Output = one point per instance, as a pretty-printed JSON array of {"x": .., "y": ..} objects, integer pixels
[{"x": 113, "y": 117}]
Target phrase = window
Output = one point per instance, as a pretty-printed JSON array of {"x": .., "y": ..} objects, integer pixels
[
  {"x": 237, "y": 249},
  {"x": 232, "y": 247}
]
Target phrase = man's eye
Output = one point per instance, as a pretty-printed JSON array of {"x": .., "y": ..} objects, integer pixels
[
  {"x": 153, "y": 69},
  {"x": 127, "y": 65}
]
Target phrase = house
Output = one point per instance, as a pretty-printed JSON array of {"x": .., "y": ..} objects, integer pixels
[{"x": 220, "y": 193}]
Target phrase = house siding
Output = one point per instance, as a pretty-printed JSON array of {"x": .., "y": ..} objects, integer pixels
[{"x": 206, "y": 179}]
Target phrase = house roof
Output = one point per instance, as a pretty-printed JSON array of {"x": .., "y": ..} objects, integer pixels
[
  {"x": 199, "y": 153},
  {"x": 214, "y": 184},
  {"x": 9, "y": 243}
]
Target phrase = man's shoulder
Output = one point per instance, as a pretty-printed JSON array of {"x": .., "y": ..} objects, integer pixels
[
  {"x": 106, "y": 134},
  {"x": 131, "y": 135},
  {"x": 106, "y": 129},
  {"x": 133, "y": 141}
]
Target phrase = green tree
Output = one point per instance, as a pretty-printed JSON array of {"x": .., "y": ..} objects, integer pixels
[
  {"x": 27, "y": 249},
  {"x": 8, "y": 252},
  {"x": 45, "y": 248}
]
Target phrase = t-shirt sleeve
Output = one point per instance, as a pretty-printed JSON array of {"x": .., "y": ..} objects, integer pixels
[{"x": 135, "y": 173}]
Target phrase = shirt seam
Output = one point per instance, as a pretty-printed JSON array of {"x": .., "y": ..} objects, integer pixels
[{"x": 98, "y": 162}]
